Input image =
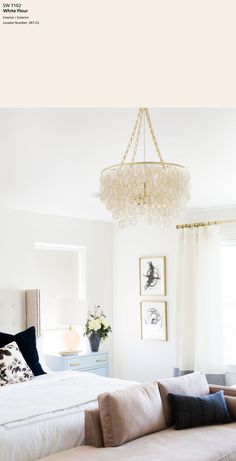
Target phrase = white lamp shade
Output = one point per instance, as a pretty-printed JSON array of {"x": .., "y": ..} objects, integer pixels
[{"x": 72, "y": 311}]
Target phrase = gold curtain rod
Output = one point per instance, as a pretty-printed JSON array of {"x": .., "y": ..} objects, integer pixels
[{"x": 206, "y": 223}]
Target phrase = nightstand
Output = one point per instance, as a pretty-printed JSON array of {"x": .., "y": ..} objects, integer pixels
[{"x": 93, "y": 362}]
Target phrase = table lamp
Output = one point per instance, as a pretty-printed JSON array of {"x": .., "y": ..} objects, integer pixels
[{"x": 72, "y": 312}]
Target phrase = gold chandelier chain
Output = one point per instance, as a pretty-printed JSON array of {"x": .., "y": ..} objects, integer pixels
[
  {"x": 138, "y": 135},
  {"x": 140, "y": 114},
  {"x": 146, "y": 111},
  {"x": 135, "y": 136}
]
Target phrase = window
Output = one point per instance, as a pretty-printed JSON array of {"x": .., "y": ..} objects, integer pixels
[
  {"x": 59, "y": 274},
  {"x": 228, "y": 269}
]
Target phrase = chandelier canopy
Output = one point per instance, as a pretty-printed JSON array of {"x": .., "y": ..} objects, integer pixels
[{"x": 157, "y": 191}]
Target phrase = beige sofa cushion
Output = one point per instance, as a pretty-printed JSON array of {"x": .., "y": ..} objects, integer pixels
[
  {"x": 130, "y": 413},
  {"x": 194, "y": 384},
  {"x": 209, "y": 443}
]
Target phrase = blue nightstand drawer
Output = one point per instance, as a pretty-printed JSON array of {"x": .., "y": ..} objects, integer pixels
[
  {"x": 94, "y": 362},
  {"x": 88, "y": 361}
]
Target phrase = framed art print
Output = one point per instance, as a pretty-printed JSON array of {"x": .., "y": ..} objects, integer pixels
[
  {"x": 154, "y": 320},
  {"x": 152, "y": 275}
]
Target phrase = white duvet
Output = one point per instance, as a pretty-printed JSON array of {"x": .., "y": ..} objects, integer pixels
[{"x": 46, "y": 415}]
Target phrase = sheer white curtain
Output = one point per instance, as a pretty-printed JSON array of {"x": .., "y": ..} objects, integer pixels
[{"x": 199, "y": 331}]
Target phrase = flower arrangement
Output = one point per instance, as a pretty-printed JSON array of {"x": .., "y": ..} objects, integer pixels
[{"x": 97, "y": 323}]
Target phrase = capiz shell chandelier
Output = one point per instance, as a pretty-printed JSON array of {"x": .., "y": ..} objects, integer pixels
[{"x": 157, "y": 191}]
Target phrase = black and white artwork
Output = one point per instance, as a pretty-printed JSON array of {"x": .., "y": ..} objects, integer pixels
[
  {"x": 154, "y": 320},
  {"x": 152, "y": 276}
]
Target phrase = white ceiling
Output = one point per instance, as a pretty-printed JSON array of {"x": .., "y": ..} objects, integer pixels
[{"x": 51, "y": 158}]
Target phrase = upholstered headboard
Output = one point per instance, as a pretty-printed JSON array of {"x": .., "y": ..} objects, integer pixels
[
  {"x": 19, "y": 309},
  {"x": 32, "y": 305}
]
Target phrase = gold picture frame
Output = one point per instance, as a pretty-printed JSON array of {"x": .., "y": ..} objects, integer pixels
[
  {"x": 152, "y": 276},
  {"x": 153, "y": 315}
]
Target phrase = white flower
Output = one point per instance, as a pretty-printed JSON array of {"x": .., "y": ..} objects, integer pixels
[
  {"x": 94, "y": 324},
  {"x": 91, "y": 324},
  {"x": 97, "y": 324},
  {"x": 105, "y": 322}
]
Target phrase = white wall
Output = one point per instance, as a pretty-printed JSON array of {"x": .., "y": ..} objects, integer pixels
[
  {"x": 18, "y": 263},
  {"x": 147, "y": 359},
  {"x": 133, "y": 358}
]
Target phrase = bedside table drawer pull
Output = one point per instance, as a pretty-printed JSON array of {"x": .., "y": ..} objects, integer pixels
[
  {"x": 101, "y": 360},
  {"x": 75, "y": 364}
]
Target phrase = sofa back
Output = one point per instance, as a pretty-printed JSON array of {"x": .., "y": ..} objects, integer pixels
[
  {"x": 125, "y": 415},
  {"x": 194, "y": 384},
  {"x": 134, "y": 404}
]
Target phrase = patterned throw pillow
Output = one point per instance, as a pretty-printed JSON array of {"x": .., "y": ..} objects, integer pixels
[
  {"x": 13, "y": 367},
  {"x": 26, "y": 341},
  {"x": 199, "y": 411}
]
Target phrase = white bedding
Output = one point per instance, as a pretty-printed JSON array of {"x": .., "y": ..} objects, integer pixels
[{"x": 46, "y": 415}]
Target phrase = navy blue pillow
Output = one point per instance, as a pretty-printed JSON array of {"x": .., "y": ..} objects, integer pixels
[
  {"x": 199, "y": 411},
  {"x": 26, "y": 341}
]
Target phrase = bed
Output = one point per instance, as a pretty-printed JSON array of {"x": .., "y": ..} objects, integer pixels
[{"x": 44, "y": 415}]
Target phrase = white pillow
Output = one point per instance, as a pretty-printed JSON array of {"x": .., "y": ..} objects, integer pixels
[{"x": 13, "y": 367}]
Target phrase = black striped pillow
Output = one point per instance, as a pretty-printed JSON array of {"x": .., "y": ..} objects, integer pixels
[{"x": 199, "y": 411}]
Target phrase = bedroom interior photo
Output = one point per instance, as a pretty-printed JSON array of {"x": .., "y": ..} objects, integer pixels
[{"x": 117, "y": 284}]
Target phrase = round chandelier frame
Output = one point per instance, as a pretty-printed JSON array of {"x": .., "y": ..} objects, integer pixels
[
  {"x": 157, "y": 191},
  {"x": 163, "y": 164}
]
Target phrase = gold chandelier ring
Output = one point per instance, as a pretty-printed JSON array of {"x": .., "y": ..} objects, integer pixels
[{"x": 163, "y": 164}]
